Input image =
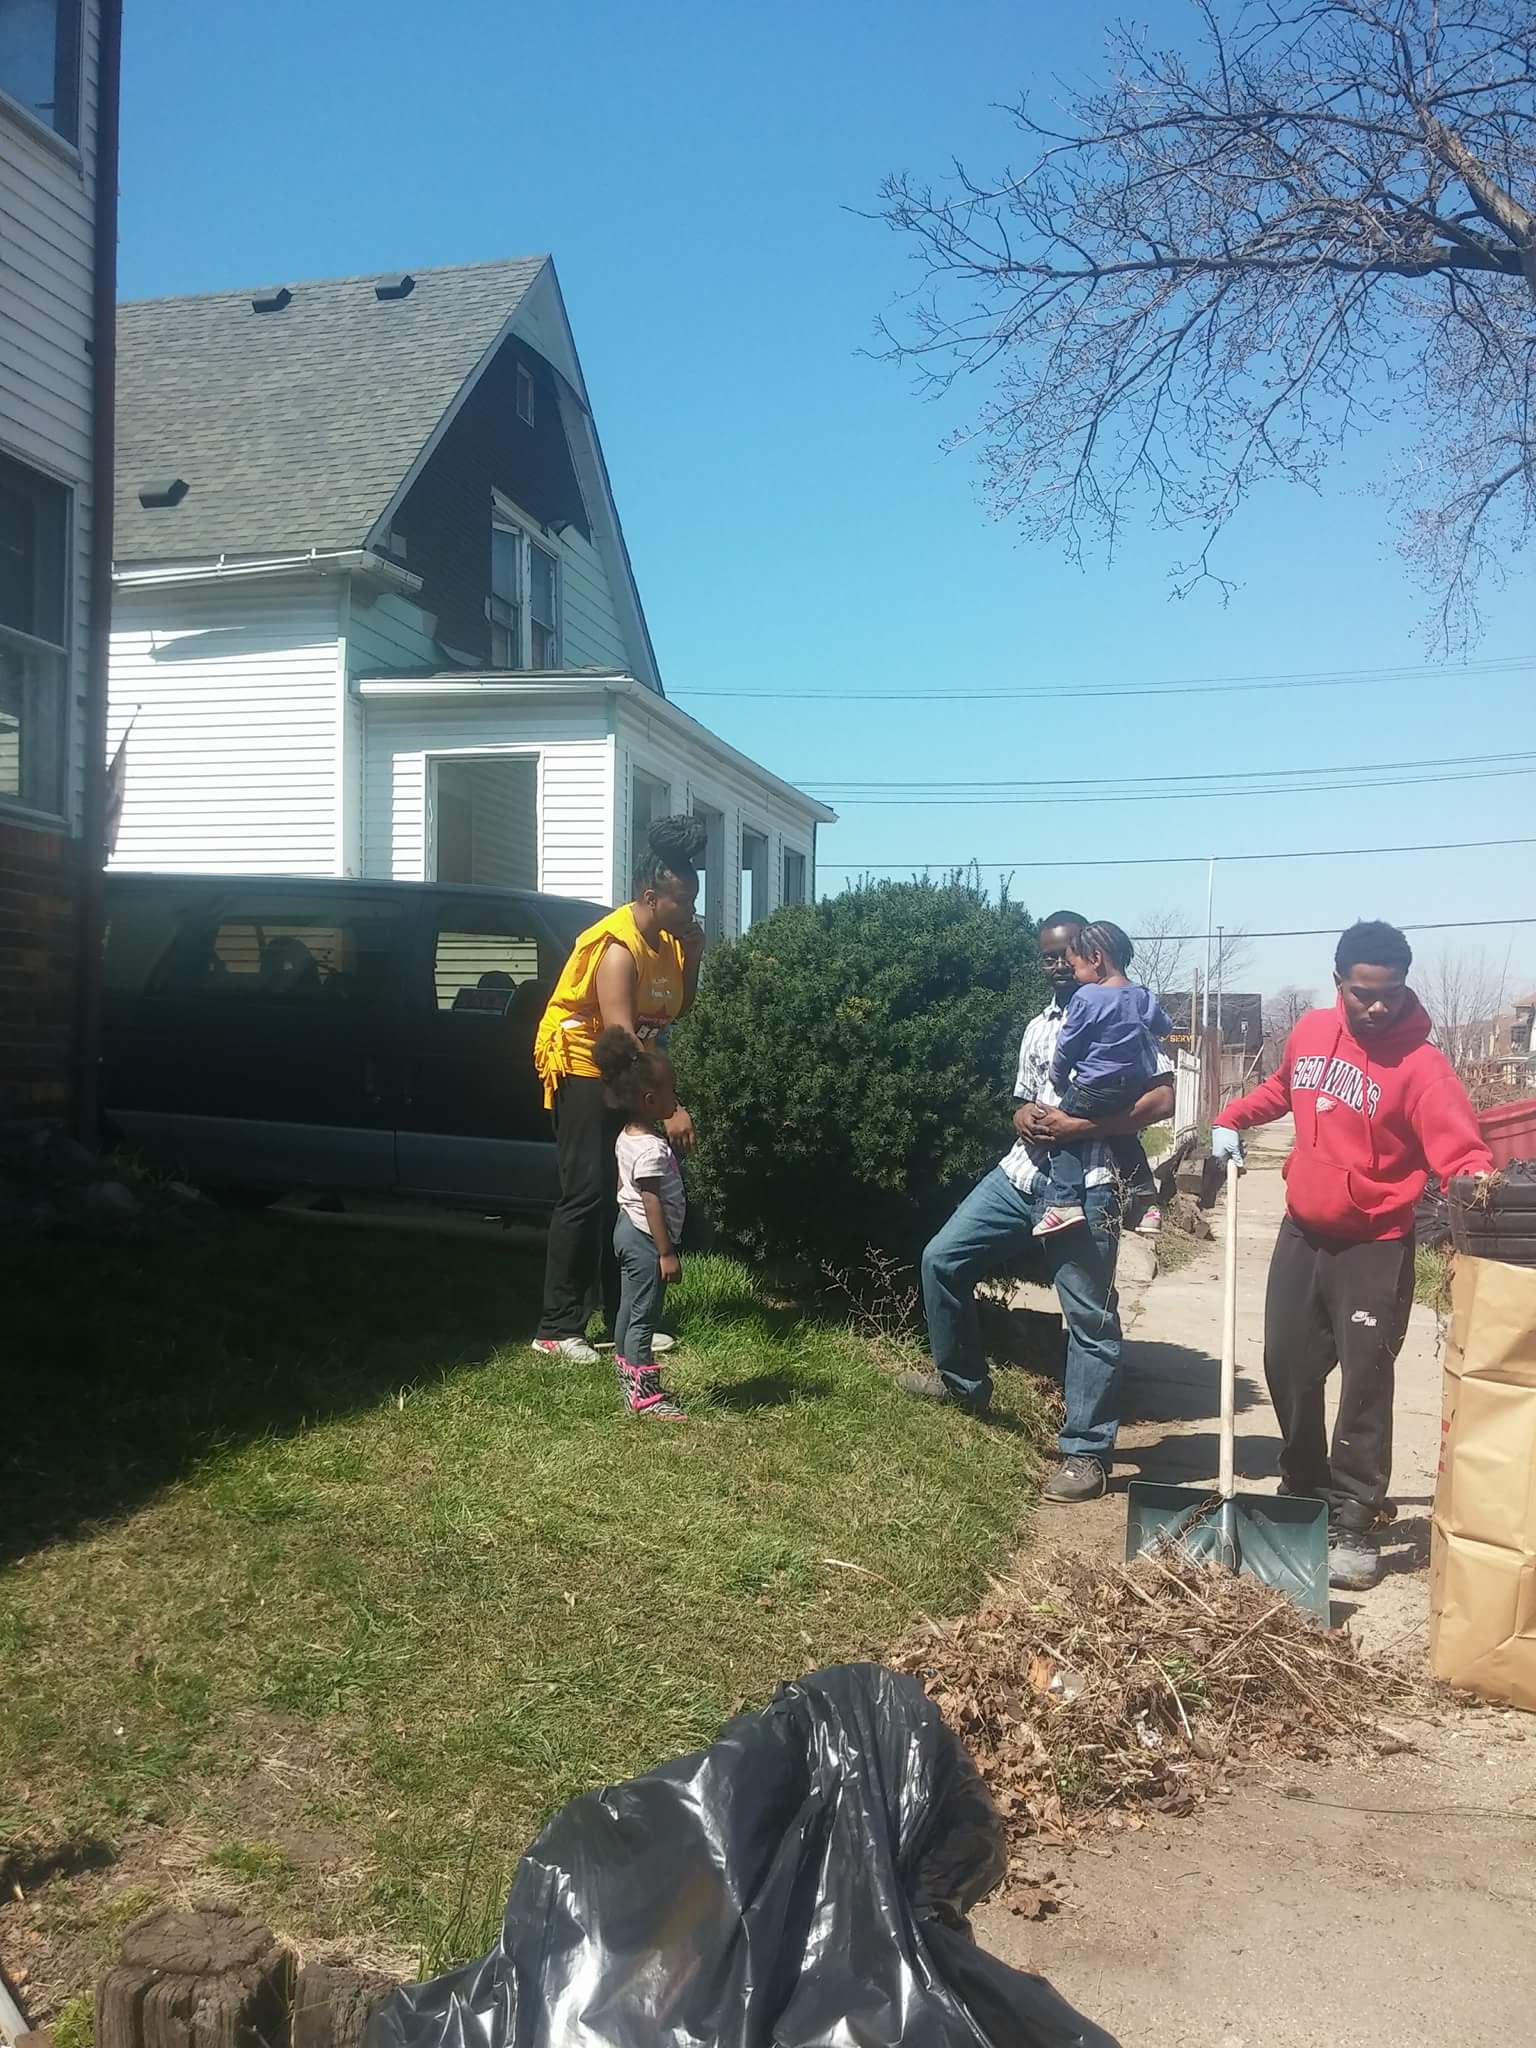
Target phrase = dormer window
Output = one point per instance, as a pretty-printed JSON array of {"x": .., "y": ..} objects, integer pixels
[
  {"x": 524, "y": 396},
  {"x": 40, "y": 62},
  {"x": 524, "y": 606}
]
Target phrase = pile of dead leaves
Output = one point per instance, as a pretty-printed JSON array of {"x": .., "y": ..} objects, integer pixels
[{"x": 1090, "y": 1692}]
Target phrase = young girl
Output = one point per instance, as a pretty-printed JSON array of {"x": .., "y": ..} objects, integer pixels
[
  {"x": 652, "y": 1206},
  {"x": 1106, "y": 1057}
]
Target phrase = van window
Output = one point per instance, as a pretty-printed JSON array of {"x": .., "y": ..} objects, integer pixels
[
  {"x": 481, "y": 958},
  {"x": 140, "y": 932},
  {"x": 269, "y": 950}
]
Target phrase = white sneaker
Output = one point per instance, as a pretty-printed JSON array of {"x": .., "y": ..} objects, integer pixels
[
  {"x": 574, "y": 1350},
  {"x": 1150, "y": 1224},
  {"x": 661, "y": 1344}
]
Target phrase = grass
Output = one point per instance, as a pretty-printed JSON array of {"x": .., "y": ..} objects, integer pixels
[
  {"x": 1432, "y": 1278},
  {"x": 321, "y": 1592}
]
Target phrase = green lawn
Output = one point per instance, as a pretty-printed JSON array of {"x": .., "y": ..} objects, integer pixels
[{"x": 319, "y": 1588}]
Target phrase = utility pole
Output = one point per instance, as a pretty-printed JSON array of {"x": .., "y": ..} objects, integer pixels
[
  {"x": 1210, "y": 912},
  {"x": 1221, "y": 982}
]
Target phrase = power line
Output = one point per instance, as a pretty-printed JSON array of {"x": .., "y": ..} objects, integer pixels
[
  {"x": 1179, "y": 686},
  {"x": 1156, "y": 796},
  {"x": 1327, "y": 931},
  {"x": 1169, "y": 860},
  {"x": 1089, "y": 785}
]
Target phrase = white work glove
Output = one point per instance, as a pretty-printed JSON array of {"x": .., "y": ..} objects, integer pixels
[{"x": 1226, "y": 1144}]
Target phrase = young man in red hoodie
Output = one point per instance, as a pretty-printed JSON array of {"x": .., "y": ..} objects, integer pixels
[{"x": 1377, "y": 1110}]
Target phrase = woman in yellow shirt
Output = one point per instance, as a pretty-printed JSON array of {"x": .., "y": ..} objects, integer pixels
[{"x": 636, "y": 969}]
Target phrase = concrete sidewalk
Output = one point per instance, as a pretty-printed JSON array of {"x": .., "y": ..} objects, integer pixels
[{"x": 1384, "y": 1903}]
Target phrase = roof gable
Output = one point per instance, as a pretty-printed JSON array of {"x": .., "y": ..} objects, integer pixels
[{"x": 295, "y": 428}]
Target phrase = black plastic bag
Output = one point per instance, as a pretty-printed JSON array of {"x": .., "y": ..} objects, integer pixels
[{"x": 803, "y": 1881}]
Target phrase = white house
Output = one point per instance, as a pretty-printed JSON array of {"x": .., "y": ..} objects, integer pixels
[
  {"x": 374, "y": 614},
  {"x": 58, "y": 212}
]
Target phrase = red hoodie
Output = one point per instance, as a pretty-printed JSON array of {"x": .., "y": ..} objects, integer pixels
[{"x": 1373, "y": 1121}]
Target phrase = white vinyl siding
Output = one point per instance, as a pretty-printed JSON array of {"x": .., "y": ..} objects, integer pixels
[
  {"x": 574, "y": 783},
  {"x": 590, "y": 633},
  {"x": 233, "y": 757},
  {"x": 700, "y": 778},
  {"x": 47, "y": 230},
  {"x": 388, "y": 635}
]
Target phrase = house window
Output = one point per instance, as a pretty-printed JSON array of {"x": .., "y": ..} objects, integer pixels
[
  {"x": 650, "y": 799},
  {"x": 794, "y": 877},
  {"x": 40, "y": 61},
  {"x": 524, "y": 396},
  {"x": 34, "y": 655},
  {"x": 524, "y": 604},
  {"x": 711, "y": 899},
  {"x": 754, "y": 877}
]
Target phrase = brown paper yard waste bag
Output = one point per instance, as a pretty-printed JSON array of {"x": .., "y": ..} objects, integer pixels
[{"x": 1483, "y": 1576}]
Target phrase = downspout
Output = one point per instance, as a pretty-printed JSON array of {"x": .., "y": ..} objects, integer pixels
[{"x": 103, "y": 435}]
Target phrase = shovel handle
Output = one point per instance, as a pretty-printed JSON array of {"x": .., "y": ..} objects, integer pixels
[{"x": 1226, "y": 1483}]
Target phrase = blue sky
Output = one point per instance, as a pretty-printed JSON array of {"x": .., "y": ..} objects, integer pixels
[{"x": 794, "y": 521}]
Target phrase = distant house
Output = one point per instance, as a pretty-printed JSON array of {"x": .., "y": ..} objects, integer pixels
[
  {"x": 1238, "y": 1017},
  {"x": 374, "y": 610},
  {"x": 58, "y": 214}
]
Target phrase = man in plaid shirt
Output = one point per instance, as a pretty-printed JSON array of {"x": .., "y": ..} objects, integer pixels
[{"x": 994, "y": 1226}]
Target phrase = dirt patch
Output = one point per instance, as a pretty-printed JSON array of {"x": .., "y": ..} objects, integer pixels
[{"x": 64, "y": 1905}]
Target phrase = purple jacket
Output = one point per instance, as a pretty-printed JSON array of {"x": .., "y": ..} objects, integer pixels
[{"x": 1109, "y": 1035}]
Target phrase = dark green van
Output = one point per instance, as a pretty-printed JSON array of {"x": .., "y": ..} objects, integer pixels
[{"x": 285, "y": 1033}]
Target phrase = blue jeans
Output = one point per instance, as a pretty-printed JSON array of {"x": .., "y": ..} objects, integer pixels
[
  {"x": 642, "y": 1293},
  {"x": 994, "y": 1223}
]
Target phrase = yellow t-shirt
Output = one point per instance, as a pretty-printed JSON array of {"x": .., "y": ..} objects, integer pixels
[{"x": 571, "y": 1021}]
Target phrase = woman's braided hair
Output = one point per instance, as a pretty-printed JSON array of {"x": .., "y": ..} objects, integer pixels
[{"x": 673, "y": 849}]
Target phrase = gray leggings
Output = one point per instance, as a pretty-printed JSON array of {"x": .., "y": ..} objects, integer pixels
[{"x": 642, "y": 1293}]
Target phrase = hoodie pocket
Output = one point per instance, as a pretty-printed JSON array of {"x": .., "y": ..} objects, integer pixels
[
  {"x": 1338, "y": 1200},
  {"x": 1318, "y": 1193}
]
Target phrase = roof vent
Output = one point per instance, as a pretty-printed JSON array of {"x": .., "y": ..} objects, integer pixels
[
  {"x": 272, "y": 302},
  {"x": 401, "y": 288},
  {"x": 158, "y": 496}
]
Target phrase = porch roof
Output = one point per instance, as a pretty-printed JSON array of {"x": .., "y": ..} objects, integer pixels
[{"x": 548, "y": 686}]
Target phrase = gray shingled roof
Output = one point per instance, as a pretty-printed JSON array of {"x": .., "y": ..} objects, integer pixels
[{"x": 292, "y": 429}]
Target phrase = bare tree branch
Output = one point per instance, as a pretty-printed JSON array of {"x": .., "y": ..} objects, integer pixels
[{"x": 1221, "y": 269}]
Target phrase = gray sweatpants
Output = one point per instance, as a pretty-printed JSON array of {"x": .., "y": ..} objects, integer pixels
[{"x": 642, "y": 1293}]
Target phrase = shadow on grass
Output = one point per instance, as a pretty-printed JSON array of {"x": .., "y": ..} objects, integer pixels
[
  {"x": 127, "y": 1362},
  {"x": 766, "y": 1390}
]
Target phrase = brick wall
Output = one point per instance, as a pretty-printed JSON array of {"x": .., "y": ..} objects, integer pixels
[{"x": 39, "y": 969}]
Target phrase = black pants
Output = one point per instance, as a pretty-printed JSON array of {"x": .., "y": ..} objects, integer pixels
[
  {"x": 579, "y": 1264},
  {"x": 1331, "y": 1304}
]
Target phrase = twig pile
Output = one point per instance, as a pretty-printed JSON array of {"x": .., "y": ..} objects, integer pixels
[{"x": 1091, "y": 1693}]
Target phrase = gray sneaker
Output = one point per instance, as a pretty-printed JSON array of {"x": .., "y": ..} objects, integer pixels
[
  {"x": 1075, "y": 1479},
  {"x": 932, "y": 1386},
  {"x": 574, "y": 1350},
  {"x": 1354, "y": 1562}
]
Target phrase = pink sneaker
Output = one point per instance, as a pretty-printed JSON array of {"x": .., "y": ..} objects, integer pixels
[
  {"x": 644, "y": 1396},
  {"x": 1065, "y": 1218}
]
